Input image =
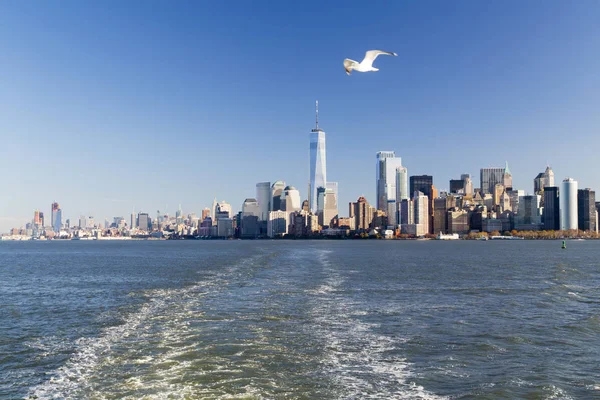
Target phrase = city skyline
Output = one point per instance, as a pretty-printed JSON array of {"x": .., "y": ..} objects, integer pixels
[{"x": 96, "y": 122}]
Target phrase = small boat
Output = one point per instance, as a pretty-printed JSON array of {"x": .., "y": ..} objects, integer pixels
[{"x": 564, "y": 245}]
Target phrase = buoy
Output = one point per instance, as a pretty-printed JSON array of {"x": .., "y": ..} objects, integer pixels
[{"x": 564, "y": 245}]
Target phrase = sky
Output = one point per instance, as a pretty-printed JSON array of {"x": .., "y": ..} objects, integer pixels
[{"x": 111, "y": 106}]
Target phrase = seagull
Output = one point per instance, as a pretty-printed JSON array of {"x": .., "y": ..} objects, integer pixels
[{"x": 366, "y": 65}]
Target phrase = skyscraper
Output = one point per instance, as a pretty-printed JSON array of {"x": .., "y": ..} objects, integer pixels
[
  {"x": 277, "y": 192},
  {"x": 402, "y": 192},
  {"x": 586, "y": 209},
  {"x": 330, "y": 208},
  {"x": 568, "y": 204},
  {"x": 548, "y": 177},
  {"x": 551, "y": 209},
  {"x": 421, "y": 183},
  {"x": 56, "y": 217},
  {"x": 143, "y": 221},
  {"x": 363, "y": 214},
  {"x": 263, "y": 196},
  {"x": 507, "y": 178},
  {"x": 292, "y": 199},
  {"x": 250, "y": 214},
  {"x": 489, "y": 177},
  {"x": 385, "y": 174},
  {"x": 318, "y": 162},
  {"x": 422, "y": 212}
]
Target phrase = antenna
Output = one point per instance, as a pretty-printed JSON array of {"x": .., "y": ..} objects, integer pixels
[{"x": 317, "y": 107}]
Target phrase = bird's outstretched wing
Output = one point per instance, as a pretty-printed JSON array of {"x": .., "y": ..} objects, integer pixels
[
  {"x": 349, "y": 65},
  {"x": 371, "y": 55}
]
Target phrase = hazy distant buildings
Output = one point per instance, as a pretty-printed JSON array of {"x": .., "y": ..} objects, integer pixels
[
  {"x": 56, "y": 217},
  {"x": 551, "y": 209},
  {"x": 385, "y": 170},
  {"x": 318, "y": 163},
  {"x": 568, "y": 204},
  {"x": 586, "y": 210},
  {"x": 143, "y": 222}
]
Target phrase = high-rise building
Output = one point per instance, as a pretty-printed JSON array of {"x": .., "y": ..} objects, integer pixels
[
  {"x": 422, "y": 213},
  {"x": 143, "y": 222},
  {"x": 277, "y": 223},
  {"x": 421, "y": 183},
  {"x": 132, "y": 221},
  {"x": 551, "y": 209},
  {"x": 568, "y": 204},
  {"x": 82, "y": 222},
  {"x": 318, "y": 163},
  {"x": 402, "y": 192},
  {"x": 548, "y": 177},
  {"x": 292, "y": 199},
  {"x": 223, "y": 210},
  {"x": 277, "y": 192},
  {"x": 468, "y": 182},
  {"x": 56, "y": 217},
  {"x": 543, "y": 180},
  {"x": 586, "y": 210},
  {"x": 507, "y": 177},
  {"x": 333, "y": 186},
  {"x": 213, "y": 212},
  {"x": 385, "y": 173},
  {"x": 528, "y": 217},
  {"x": 36, "y": 218},
  {"x": 264, "y": 198},
  {"x": 249, "y": 220},
  {"x": 489, "y": 178},
  {"x": 205, "y": 213},
  {"x": 330, "y": 209},
  {"x": 363, "y": 213},
  {"x": 406, "y": 212}
]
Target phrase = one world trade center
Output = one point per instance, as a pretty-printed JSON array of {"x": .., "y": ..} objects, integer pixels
[{"x": 318, "y": 162}]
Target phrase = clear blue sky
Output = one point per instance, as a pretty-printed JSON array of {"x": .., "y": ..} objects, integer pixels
[{"x": 105, "y": 106}]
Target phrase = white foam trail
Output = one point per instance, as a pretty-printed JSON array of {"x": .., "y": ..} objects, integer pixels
[
  {"x": 358, "y": 360},
  {"x": 76, "y": 378}
]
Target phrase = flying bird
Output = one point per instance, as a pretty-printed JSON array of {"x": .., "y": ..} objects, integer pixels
[{"x": 366, "y": 65}]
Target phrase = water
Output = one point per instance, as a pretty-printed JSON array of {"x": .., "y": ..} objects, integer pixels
[{"x": 300, "y": 319}]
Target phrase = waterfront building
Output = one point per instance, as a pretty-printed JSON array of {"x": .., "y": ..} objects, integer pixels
[
  {"x": 318, "y": 163},
  {"x": 568, "y": 204},
  {"x": 385, "y": 174},
  {"x": 441, "y": 205},
  {"x": 529, "y": 217},
  {"x": 551, "y": 215},
  {"x": 277, "y": 192},
  {"x": 458, "y": 221},
  {"x": 489, "y": 178},
  {"x": 250, "y": 217},
  {"x": 264, "y": 198},
  {"x": 586, "y": 210},
  {"x": 363, "y": 213},
  {"x": 225, "y": 227},
  {"x": 277, "y": 224}
]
